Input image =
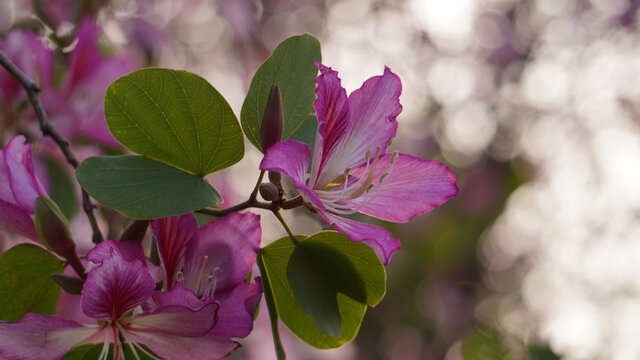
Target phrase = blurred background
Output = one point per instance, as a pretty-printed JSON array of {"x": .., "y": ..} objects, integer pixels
[{"x": 534, "y": 104}]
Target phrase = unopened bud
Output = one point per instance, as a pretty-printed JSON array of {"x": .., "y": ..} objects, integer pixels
[
  {"x": 70, "y": 284},
  {"x": 275, "y": 177},
  {"x": 272, "y": 121},
  {"x": 269, "y": 191},
  {"x": 52, "y": 227},
  {"x": 135, "y": 231}
]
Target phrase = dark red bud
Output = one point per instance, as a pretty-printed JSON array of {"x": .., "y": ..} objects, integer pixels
[
  {"x": 53, "y": 228},
  {"x": 269, "y": 191},
  {"x": 70, "y": 284},
  {"x": 272, "y": 121}
]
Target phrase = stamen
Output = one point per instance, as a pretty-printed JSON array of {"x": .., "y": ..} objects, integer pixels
[
  {"x": 212, "y": 282},
  {"x": 204, "y": 262},
  {"x": 180, "y": 277},
  {"x": 364, "y": 186},
  {"x": 105, "y": 348},
  {"x": 133, "y": 345}
]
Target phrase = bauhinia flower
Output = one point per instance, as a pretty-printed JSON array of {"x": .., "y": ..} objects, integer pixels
[
  {"x": 214, "y": 260},
  {"x": 19, "y": 187},
  {"x": 174, "y": 324},
  {"x": 352, "y": 170}
]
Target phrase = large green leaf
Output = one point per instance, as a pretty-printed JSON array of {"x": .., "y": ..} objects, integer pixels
[
  {"x": 25, "y": 285},
  {"x": 175, "y": 117},
  {"x": 363, "y": 261},
  {"x": 327, "y": 264},
  {"x": 291, "y": 66},
  {"x": 142, "y": 188}
]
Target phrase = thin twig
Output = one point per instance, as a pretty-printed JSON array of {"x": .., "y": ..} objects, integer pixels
[
  {"x": 286, "y": 227},
  {"x": 48, "y": 130}
]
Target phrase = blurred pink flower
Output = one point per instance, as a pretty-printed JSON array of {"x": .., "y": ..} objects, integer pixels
[
  {"x": 174, "y": 324},
  {"x": 351, "y": 170},
  {"x": 214, "y": 260},
  {"x": 19, "y": 187}
]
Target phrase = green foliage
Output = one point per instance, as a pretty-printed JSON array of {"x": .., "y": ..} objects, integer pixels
[
  {"x": 25, "y": 285},
  {"x": 175, "y": 117},
  {"x": 356, "y": 272},
  {"x": 142, "y": 188},
  {"x": 291, "y": 67}
]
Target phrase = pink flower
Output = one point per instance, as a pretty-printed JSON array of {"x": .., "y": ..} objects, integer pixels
[
  {"x": 214, "y": 260},
  {"x": 19, "y": 187},
  {"x": 352, "y": 171},
  {"x": 174, "y": 324}
]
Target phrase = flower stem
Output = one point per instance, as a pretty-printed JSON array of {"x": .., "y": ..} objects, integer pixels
[
  {"x": 48, "y": 130},
  {"x": 286, "y": 227}
]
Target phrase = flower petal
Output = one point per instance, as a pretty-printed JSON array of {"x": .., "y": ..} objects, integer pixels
[
  {"x": 172, "y": 235},
  {"x": 115, "y": 288},
  {"x": 230, "y": 244},
  {"x": 292, "y": 159},
  {"x": 176, "y": 320},
  {"x": 413, "y": 187},
  {"x": 18, "y": 220},
  {"x": 41, "y": 337},
  {"x": 171, "y": 347},
  {"x": 129, "y": 250},
  {"x": 372, "y": 123},
  {"x": 24, "y": 184},
  {"x": 237, "y": 309},
  {"x": 376, "y": 237},
  {"x": 332, "y": 111}
]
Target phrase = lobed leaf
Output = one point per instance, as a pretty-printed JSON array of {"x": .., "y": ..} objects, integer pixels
[
  {"x": 142, "y": 188},
  {"x": 25, "y": 285},
  {"x": 175, "y": 117}
]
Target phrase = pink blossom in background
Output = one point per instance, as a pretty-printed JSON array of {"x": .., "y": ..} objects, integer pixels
[
  {"x": 352, "y": 171},
  {"x": 19, "y": 187}
]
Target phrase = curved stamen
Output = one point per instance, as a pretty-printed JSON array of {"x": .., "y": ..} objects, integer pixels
[
  {"x": 105, "y": 348},
  {"x": 201, "y": 275},
  {"x": 364, "y": 186}
]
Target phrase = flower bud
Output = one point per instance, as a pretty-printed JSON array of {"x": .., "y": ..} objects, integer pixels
[
  {"x": 70, "y": 284},
  {"x": 52, "y": 227},
  {"x": 135, "y": 231},
  {"x": 269, "y": 191},
  {"x": 272, "y": 120}
]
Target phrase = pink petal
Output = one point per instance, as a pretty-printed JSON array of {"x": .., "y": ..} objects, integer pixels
[
  {"x": 176, "y": 320},
  {"x": 413, "y": 187},
  {"x": 18, "y": 220},
  {"x": 372, "y": 123},
  {"x": 231, "y": 244},
  {"x": 86, "y": 55},
  {"x": 172, "y": 236},
  {"x": 292, "y": 159},
  {"x": 116, "y": 287},
  {"x": 376, "y": 237},
  {"x": 172, "y": 347},
  {"x": 129, "y": 250},
  {"x": 178, "y": 295},
  {"x": 41, "y": 337},
  {"x": 237, "y": 309},
  {"x": 332, "y": 111},
  {"x": 24, "y": 184}
]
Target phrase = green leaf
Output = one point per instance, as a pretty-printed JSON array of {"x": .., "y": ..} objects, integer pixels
[
  {"x": 363, "y": 261},
  {"x": 175, "y": 117},
  {"x": 323, "y": 266},
  {"x": 291, "y": 67},
  {"x": 271, "y": 307},
  {"x": 25, "y": 285},
  {"x": 142, "y": 188}
]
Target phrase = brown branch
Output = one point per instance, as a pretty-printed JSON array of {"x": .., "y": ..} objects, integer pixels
[{"x": 48, "y": 130}]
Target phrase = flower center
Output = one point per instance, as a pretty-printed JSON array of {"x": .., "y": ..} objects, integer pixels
[{"x": 348, "y": 193}]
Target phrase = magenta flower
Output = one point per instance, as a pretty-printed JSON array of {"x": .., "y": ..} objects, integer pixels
[
  {"x": 174, "y": 324},
  {"x": 19, "y": 187},
  {"x": 351, "y": 170},
  {"x": 214, "y": 260}
]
